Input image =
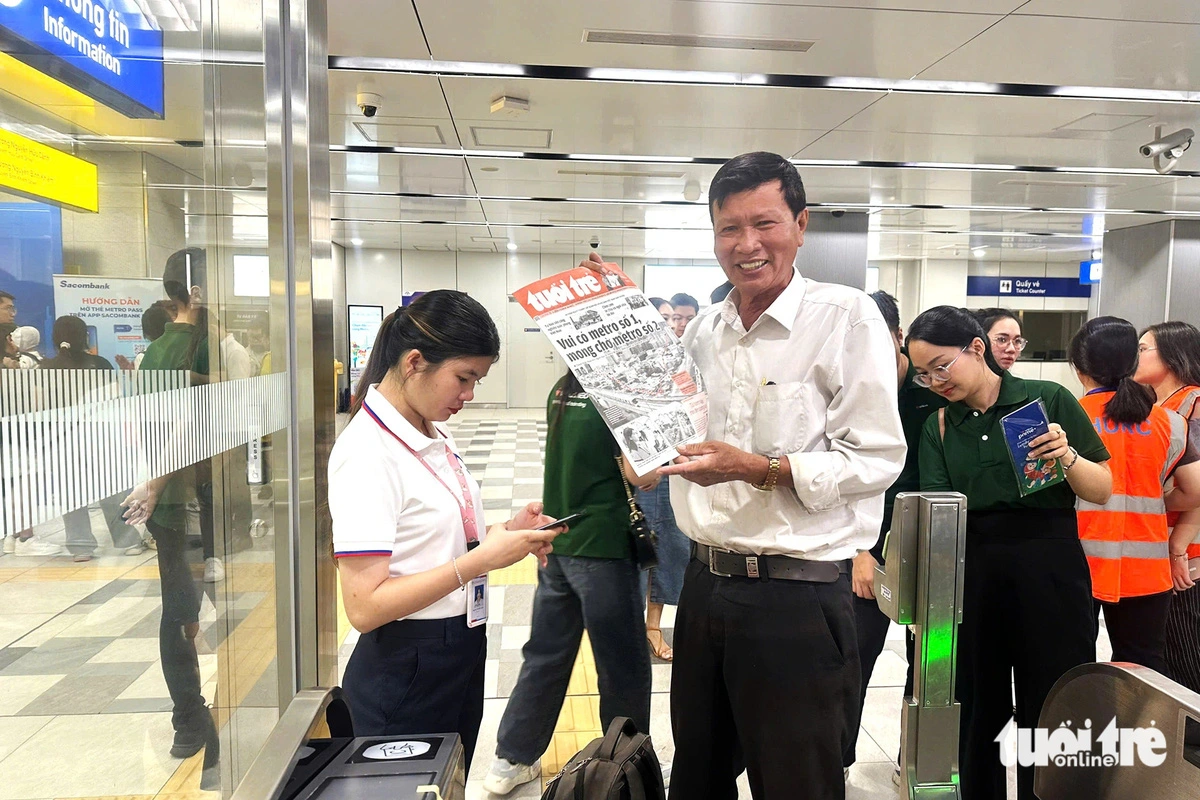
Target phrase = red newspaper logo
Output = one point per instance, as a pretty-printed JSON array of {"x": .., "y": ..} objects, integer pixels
[{"x": 568, "y": 288}]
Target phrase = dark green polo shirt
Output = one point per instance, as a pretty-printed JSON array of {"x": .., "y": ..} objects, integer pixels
[
  {"x": 169, "y": 352},
  {"x": 916, "y": 403},
  {"x": 974, "y": 458},
  {"x": 581, "y": 475}
]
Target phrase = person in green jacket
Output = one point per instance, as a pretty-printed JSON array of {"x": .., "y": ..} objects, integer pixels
[{"x": 590, "y": 583}]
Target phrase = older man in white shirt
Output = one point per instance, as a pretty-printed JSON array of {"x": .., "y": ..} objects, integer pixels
[{"x": 804, "y": 438}]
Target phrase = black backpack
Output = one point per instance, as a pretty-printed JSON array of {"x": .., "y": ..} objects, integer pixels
[{"x": 621, "y": 766}]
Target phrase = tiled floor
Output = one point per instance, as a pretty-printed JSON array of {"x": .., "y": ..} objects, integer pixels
[
  {"x": 504, "y": 451},
  {"x": 84, "y": 709}
]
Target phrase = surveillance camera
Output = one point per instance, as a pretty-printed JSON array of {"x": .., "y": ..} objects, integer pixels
[
  {"x": 594, "y": 242},
  {"x": 839, "y": 212},
  {"x": 369, "y": 103},
  {"x": 1172, "y": 145}
]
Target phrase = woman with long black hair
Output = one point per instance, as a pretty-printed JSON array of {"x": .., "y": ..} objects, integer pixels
[
  {"x": 1027, "y": 609},
  {"x": 1169, "y": 363},
  {"x": 590, "y": 583},
  {"x": 408, "y": 532},
  {"x": 1126, "y": 539}
]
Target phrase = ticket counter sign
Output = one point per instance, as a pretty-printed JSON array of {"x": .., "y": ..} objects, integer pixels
[
  {"x": 91, "y": 45},
  {"x": 40, "y": 172}
]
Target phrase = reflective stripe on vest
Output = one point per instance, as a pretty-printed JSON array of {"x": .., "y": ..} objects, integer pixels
[
  {"x": 1179, "y": 440},
  {"x": 1126, "y": 504},
  {"x": 1116, "y": 550},
  {"x": 1185, "y": 405}
]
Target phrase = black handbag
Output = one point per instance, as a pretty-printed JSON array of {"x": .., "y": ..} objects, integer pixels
[{"x": 641, "y": 536}]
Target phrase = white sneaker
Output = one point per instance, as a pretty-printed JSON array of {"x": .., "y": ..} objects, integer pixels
[
  {"x": 136, "y": 550},
  {"x": 214, "y": 570},
  {"x": 504, "y": 776},
  {"x": 33, "y": 546}
]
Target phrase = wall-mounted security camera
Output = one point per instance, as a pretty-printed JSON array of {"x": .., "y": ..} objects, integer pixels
[
  {"x": 1169, "y": 147},
  {"x": 594, "y": 242},
  {"x": 368, "y": 101},
  {"x": 838, "y": 212}
]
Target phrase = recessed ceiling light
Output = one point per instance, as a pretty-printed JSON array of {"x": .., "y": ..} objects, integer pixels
[
  {"x": 978, "y": 252},
  {"x": 512, "y": 246},
  {"x": 356, "y": 242}
]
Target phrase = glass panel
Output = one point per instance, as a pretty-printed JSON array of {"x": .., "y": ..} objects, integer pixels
[{"x": 135, "y": 249}]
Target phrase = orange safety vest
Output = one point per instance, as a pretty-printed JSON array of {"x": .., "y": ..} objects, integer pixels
[
  {"x": 1125, "y": 540},
  {"x": 1183, "y": 402}
]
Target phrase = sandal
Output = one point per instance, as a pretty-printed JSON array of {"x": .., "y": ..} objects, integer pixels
[{"x": 660, "y": 649}]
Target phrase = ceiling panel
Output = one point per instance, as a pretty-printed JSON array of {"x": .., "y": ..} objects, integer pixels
[
  {"x": 1180, "y": 11},
  {"x": 1078, "y": 52},
  {"x": 376, "y": 28},
  {"x": 849, "y": 41},
  {"x": 399, "y": 173},
  {"x": 411, "y": 110},
  {"x": 390, "y": 209},
  {"x": 722, "y": 121}
]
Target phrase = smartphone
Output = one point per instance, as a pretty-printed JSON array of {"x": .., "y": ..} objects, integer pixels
[
  {"x": 558, "y": 523},
  {"x": 93, "y": 341}
]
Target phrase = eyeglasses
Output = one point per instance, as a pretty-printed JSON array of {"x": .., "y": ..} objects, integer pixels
[
  {"x": 1144, "y": 349},
  {"x": 940, "y": 374},
  {"x": 1003, "y": 340}
]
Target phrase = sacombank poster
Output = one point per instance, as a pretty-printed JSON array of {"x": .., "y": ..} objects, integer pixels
[{"x": 112, "y": 308}]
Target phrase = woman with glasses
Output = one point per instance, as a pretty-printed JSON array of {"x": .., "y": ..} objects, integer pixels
[
  {"x": 1169, "y": 363},
  {"x": 1027, "y": 607},
  {"x": 1003, "y": 335}
]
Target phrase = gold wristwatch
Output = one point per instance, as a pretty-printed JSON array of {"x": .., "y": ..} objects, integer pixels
[{"x": 768, "y": 485}]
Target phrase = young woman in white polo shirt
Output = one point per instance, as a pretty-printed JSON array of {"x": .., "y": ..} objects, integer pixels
[{"x": 408, "y": 532}]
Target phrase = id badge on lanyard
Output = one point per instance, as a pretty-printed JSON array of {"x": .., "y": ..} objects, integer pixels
[{"x": 477, "y": 588}]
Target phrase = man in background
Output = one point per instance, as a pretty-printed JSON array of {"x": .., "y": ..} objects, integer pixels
[
  {"x": 684, "y": 309},
  {"x": 8, "y": 309}
]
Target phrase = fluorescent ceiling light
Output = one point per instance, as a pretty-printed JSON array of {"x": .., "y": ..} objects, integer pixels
[
  {"x": 357, "y": 242},
  {"x": 707, "y": 78},
  {"x": 512, "y": 247}
]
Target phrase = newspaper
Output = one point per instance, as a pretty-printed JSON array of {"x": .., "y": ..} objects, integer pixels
[{"x": 632, "y": 366}]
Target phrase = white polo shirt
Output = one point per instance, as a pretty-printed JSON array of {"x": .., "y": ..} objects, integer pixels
[{"x": 385, "y": 503}]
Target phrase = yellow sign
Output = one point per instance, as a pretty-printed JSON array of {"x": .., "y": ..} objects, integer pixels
[{"x": 41, "y": 172}]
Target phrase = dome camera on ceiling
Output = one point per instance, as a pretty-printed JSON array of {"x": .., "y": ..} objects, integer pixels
[{"x": 368, "y": 101}]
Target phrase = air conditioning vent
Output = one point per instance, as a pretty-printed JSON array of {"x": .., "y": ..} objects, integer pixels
[{"x": 697, "y": 40}]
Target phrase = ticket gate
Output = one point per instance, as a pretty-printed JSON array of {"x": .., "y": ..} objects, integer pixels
[
  {"x": 921, "y": 585},
  {"x": 1164, "y": 765},
  {"x": 305, "y": 760}
]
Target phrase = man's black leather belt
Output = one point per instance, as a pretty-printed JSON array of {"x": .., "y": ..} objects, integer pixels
[{"x": 783, "y": 568}]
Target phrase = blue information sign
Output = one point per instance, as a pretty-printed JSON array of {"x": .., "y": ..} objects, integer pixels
[
  {"x": 92, "y": 46},
  {"x": 988, "y": 286}
]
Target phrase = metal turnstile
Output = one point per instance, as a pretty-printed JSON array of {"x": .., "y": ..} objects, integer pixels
[
  {"x": 1088, "y": 698},
  {"x": 298, "y": 764},
  {"x": 921, "y": 585}
]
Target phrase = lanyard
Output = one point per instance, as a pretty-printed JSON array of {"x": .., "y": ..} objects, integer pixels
[
  {"x": 1101, "y": 389},
  {"x": 468, "y": 510}
]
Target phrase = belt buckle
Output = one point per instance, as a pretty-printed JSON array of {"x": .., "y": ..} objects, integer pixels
[
  {"x": 752, "y": 567},
  {"x": 712, "y": 564}
]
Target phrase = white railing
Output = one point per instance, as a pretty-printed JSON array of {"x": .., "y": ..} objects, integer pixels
[{"x": 70, "y": 438}]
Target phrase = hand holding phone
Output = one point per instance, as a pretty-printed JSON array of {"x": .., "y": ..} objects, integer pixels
[{"x": 560, "y": 523}]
